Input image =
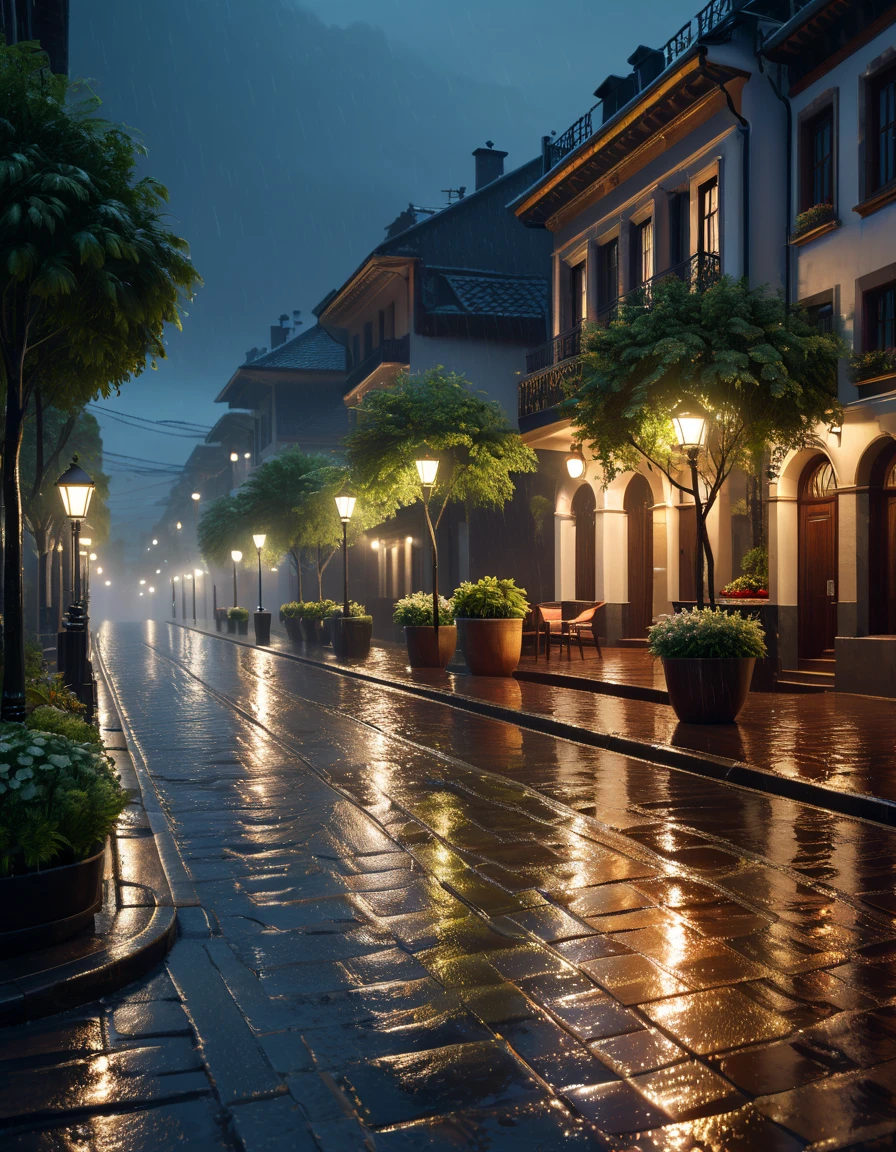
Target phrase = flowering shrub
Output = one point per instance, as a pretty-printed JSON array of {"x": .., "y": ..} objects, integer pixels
[
  {"x": 867, "y": 365},
  {"x": 416, "y": 610},
  {"x": 704, "y": 633},
  {"x": 490, "y": 599},
  {"x": 813, "y": 217},
  {"x": 58, "y": 799}
]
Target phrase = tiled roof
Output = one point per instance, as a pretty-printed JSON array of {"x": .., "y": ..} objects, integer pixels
[
  {"x": 313, "y": 351},
  {"x": 514, "y": 296}
]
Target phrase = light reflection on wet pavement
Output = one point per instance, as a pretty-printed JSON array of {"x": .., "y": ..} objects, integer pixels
[{"x": 447, "y": 932}]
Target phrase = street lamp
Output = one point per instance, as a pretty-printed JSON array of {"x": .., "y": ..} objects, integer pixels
[
  {"x": 427, "y": 470},
  {"x": 345, "y": 506},
  {"x": 174, "y": 581},
  {"x": 234, "y": 456},
  {"x": 258, "y": 540},
  {"x": 236, "y": 557},
  {"x": 76, "y": 490},
  {"x": 261, "y": 618},
  {"x": 197, "y": 572},
  {"x": 575, "y": 462},
  {"x": 690, "y": 422}
]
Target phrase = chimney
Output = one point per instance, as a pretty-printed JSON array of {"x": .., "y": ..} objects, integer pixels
[
  {"x": 280, "y": 332},
  {"x": 647, "y": 64},
  {"x": 489, "y": 165}
]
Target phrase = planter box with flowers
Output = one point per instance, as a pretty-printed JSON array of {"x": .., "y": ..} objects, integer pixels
[
  {"x": 238, "y": 621},
  {"x": 291, "y": 615},
  {"x": 59, "y": 799},
  {"x": 311, "y": 615},
  {"x": 351, "y": 635},
  {"x": 875, "y": 367},
  {"x": 814, "y": 222},
  {"x": 489, "y": 616},
  {"x": 414, "y": 614},
  {"x": 708, "y": 657},
  {"x": 334, "y": 612}
]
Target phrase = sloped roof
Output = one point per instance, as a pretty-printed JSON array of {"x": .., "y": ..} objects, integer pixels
[
  {"x": 312, "y": 351},
  {"x": 484, "y": 295}
]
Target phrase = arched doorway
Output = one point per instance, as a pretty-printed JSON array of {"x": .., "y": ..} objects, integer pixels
[
  {"x": 583, "y": 505},
  {"x": 817, "y": 559},
  {"x": 638, "y": 505},
  {"x": 882, "y": 545}
]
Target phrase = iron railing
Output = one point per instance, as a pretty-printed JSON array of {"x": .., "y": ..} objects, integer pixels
[
  {"x": 389, "y": 352},
  {"x": 706, "y": 21},
  {"x": 552, "y": 366}
]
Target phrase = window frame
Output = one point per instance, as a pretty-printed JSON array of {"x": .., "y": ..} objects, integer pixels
[
  {"x": 870, "y": 324},
  {"x": 703, "y": 190},
  {"x": 884, "y": 77},
  {"x": 818, "y": 114}
]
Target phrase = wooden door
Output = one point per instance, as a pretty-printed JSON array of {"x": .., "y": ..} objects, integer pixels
[
  {"x": 891, "y": 564},
  {"x": 687, "y": 552},
  {"x": 817, "y": 561},
  {"x": 583, "y": 505},
  {"x": 638, "y": 506},
  {"x": 882, "y": 545}
]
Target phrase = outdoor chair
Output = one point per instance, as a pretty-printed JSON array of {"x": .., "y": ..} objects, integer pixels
[
  {"x": 533, "y": 629},
  {"x": 572, "y": 630},
  {"x": 562, "y": 621}
]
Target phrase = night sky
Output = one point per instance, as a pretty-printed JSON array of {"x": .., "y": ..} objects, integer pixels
[{"x": 290, "y": 134}]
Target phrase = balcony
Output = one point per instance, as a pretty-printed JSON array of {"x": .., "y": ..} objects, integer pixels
[
  {"x": 390, "y": 352},
  {"x": 551, "y": 367}
]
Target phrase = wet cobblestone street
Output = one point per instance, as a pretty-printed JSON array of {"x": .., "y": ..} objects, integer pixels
[{"x": 416, "y": 928}]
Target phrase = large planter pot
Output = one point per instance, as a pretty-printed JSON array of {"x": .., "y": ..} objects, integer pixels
[
  {"x": 423, "y": 651},
  {"x": 327, "y": 630},
  {"x": 351, "y": 637},
  {"x": 313, "y": 632},
  {"x": 708, "y": 691},
  {"x": 262, "y": 622},
  {"x": 231, "y": 626},
  {"x": 491, "y": 647},
  {"x": 42, "y": 908},
  {"x": 242, "y": 627},
  {"x": 293, "y": 626}
]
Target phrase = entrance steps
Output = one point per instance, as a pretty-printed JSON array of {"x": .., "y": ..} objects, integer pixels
[
  {"x": 812, "y": 676},
  {"x": 632, "y": 642}
]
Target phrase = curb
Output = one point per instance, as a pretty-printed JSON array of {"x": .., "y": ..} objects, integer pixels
[
  {"x": 138, "y": 896},
  {"x": 858, "y": 805}
]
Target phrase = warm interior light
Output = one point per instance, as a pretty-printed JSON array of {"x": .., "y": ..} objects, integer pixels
[
  {"x": 258, "y": 539},
  {"x": 427, "y": 470},
  {"x": 151, "y": 588},
  {"x": 234, "y": 456},
  {"x": 689, "y": 421},
  {"x": 76, "y": 489},
  {"x": 575, "y": 462},
  {"x": 158, "y": 571},
  {"x": 409, "y": 539},
  {"x": 197, "y": 571},
  {"x": 375, "y": 545},
  {"x": 86, "y": 541},
  {"x": 176, "y": 578},
  {"x": 345, "y": 505},
  {"x": 236, "y": 556}
]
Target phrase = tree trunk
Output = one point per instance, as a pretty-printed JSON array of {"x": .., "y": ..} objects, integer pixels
[
  {"x": 13, "y": 700},
  {"x": 320, "y": 575},
  {"x": 710, "y": 568},
  {"x": 41, "y": 543},
  {"x": 56, "y": 614}
]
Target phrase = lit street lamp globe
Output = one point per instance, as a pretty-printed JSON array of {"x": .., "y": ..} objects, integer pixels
[
  {"x": 689, "y": 421},
  {"x": 427, "y": 470},
  {"x": 575, "y": 462}
]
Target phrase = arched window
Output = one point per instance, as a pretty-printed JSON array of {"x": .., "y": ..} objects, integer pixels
[{"x": 822, "y": 482}]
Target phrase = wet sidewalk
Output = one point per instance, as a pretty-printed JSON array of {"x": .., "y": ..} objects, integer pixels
[
  {"x": 430, "y": 929},
  {"x": 822, "y": 747}
]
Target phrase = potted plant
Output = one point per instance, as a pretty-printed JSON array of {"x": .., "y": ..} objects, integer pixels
[
  {"x": 220, "y": 617},
  {"x": 59, "y": 799},
  {"x": 813, "y": 218},
  {"x": 334, "y": 612},
  {"x": 351, "y": 635},
  {"x": 752, "y": 584},
  {"x": 312, "y": 621},
  {"x": 291, "y": 615},
  {"x": 708, "y": 657},
  {"x": 414, "y": 614},
  {"x": 489, "y": 617},
  {"x": 238, "y": 621}
]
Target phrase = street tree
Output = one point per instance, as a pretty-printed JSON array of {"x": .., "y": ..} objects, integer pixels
[
  {"x": 224, "y": 528},
  {"x": 763, "y": 375},
  {"x": 439, "y": 414},
  {"x": 89, "y": 278}
]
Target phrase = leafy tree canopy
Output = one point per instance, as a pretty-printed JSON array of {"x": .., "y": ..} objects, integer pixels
[
  {"x": 764, "y": 376},
  {"x": 222, "y": 529},
  {"x": 437, "y": 413},
  {"x": 76, "y": 435}
]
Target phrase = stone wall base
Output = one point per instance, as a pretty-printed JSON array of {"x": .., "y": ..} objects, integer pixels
[{"x": 866, "y": 665}]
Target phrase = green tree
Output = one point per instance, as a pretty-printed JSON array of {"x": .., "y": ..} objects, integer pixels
[
  {"x": 89, "y": 277},
  {"x": 763, "y": 375},
  {"x": 434, "y": 413},
  {"x": 223, "y": 528}
]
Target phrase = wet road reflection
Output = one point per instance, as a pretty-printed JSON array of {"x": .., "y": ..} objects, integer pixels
[{"x": 521, "y": 927}]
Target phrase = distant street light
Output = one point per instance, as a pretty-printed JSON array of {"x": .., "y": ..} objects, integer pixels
[
  {"x": 345, "y": 506},
  {"x": 154, "y": 543},
  {"x": 690, "y": 422},
  {"x": 428, "y": 470},
  {"x": 236, "y": 557},
  {"x": 234, "y": 456},
  {"x": 258, "y": 540}
]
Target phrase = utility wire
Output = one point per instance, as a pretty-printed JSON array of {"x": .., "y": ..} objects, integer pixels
[{"x": 148, "y": 420}]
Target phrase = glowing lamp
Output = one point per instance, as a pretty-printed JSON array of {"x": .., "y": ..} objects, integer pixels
[
  {"x": 427, "y": 470},
  {"x": 575, "y": 462},
  {"x": 236, "y": 556},
  {"x": 258, "y": 539},
  {"x": 234, "y": 456},
  {"x": 76, "y": 489},
  {"x": 345, "y": 506},
  {"x": 195, "y": 496},
  {"x": 689, "y": 421}
]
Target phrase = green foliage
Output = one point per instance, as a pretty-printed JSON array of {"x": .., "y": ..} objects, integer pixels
[
  {"x": 49, "y": 688},
  {"x": 238, "y": 614},
  {"x": 868, "y": 365},
  {"x": 764, "y": 376},
  {"x": 743, "y": 584},
  {"x": 490, "y": 598},
  {"x": 58, "y": 799},
  {"x": 355, "y": 610},
  {"x": 293, "y": 610},
  {"x": 47, "y": 718},
  {"x": 813, "y": 217},
  {"x": 416, "y": 610},
  {"x": 704, "y": 633},
  {"x": 317, "y": 609},
  {"x": 222, "y": 529},
  {"x": 755, "y": 564},
  {"x": 540, "y": 508},
  {"x": 439, "y": 413}
]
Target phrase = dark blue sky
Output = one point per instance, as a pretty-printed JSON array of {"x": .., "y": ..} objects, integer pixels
[{"x": 290, "y": 134}]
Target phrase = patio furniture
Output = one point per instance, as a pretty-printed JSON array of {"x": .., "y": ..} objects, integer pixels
[
  {"x": 572, "y": 630},
  {"x": 558, "y": 614},
  {"x": 533, "y": 629}
]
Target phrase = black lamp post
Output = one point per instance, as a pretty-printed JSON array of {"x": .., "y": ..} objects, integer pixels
[
  {"x": 236, "y": 557},
  {"x": 427, "y": 470},
  {"x": 690, "y": 422},
  {"x": 261, "y": 618},
  {"x": 345, "y": 506},
  {"x": 173, "y": 599},
  {"x": 76, "y": 489}
]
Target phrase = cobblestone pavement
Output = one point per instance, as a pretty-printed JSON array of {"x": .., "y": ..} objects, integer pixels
[{"x": 422, "y": 929}]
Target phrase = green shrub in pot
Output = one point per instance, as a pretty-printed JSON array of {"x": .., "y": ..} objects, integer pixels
[
  {"x": 334, "y": 611},
  {"x": 707, "y": 634},
  {"x": 317, "y": 609},
  {"x": 415, "y": 610},
  {"x": 241, "y": 614},
  {"x": 293, "y": 610},
  {"x": 489, "y": 616},
  {"x": 490, "y": 599},
  {"x": 58, "y": 799}
]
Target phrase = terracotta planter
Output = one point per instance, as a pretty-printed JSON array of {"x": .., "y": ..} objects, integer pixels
[
  {"x": 293, "y": 626},
  {"x": 491, "y": 647},
  {"x": 42, "y": 908},
  {"x": 351, "y": 637},
  {"x": 422, "y": 649},
  {"x": 313, "y": 632},
  {"x": 708, "y": 691},
  {"x": 262, "y": 621}
]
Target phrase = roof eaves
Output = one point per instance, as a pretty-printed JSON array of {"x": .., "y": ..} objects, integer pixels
[{"x": 803, "y": 16}]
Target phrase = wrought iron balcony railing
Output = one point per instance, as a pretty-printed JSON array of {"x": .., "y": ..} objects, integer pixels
[
  {"x": 551, "y": 366},
  {"x": 389, "y": 352}
]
